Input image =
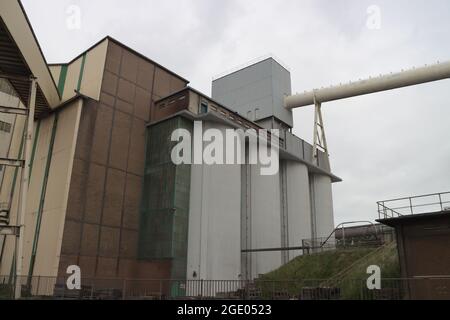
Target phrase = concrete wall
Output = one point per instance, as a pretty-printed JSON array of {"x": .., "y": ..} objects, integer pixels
[
  {"x": 322, "y": 205},
  {"x": 214, "y": 219},
  {"x": 298, "y": 205},
  {"x": 101, "y": 231},
  {"x": 54, "y": 214},
  {"x": 271, "y": 212},
  {"x": 257, "y": 91},
  {"x": 54, "y": 198},
  {"x": 10, "y": 187},
  {"x": 7, "y": 99},
  {"x": 84, "y": 74},
  {"x": 265, "y": 221}
]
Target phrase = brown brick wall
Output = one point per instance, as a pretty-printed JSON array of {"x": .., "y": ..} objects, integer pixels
[{"x": 101, "y": 229}]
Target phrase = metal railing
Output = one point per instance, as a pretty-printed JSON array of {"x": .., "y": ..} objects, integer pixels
[
  {"x": 350, "y": 242},
  {"x": 129, "y": 289},
  {"x": 436, "y": 202}
]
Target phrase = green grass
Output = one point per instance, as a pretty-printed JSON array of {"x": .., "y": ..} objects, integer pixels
[
  {"x": 345, "y": 269},
  {"x": 386, "y": 259}
]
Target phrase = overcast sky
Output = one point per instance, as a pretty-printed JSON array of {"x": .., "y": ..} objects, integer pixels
[{"x": 383, "y": 145}]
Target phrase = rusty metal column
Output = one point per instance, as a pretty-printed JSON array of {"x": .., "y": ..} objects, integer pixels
[{"x": 23, "y": 192}]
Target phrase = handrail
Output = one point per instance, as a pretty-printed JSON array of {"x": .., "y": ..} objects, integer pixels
[
  {"x": 415, "y": 197},
  {"x": 384, "y": 209},
  {"x": 344, "y": 223}
]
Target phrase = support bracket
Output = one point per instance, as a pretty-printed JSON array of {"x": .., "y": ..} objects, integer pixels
[{"x": 320, "y": 140}]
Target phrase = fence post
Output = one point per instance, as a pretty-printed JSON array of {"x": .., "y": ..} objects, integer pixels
[
  {"x": 92, "y": 289},
  {"x": 124, "y": 288},
  {"x": 201, "y": 288},
  {"x": 37, "y": 286}
]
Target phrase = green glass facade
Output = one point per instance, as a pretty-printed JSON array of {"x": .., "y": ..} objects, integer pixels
[{"x": 164, "y": 220}]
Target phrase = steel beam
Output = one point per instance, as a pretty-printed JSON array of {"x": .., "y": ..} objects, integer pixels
[
  {"x": 15, "y": 77},
  {"x": 9, "y": 230},
  {"x": 11, "y": 162},
  {"x": 11, "y": 110},
  {"x": 273, "y": 249}
]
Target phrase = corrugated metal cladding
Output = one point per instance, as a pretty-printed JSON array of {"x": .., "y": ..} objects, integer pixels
[
  {"x": 165, "y": 205},
  {"x": 12, "y": 63},
  {"x": 102, "y": 220},
  {"x": 423, "y": 246}
]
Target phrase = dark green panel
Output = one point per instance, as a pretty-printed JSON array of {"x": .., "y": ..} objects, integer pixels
[
  {"x": 62, "y": 79},
  {"x": 80, "y": 77},
  {"x": 165, "y": 201}
]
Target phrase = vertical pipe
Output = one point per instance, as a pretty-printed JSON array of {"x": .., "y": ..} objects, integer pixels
[{"x": 24, "y": 188}]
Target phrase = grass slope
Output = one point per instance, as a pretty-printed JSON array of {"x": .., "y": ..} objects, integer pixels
[{"x": 345, "y": 269}]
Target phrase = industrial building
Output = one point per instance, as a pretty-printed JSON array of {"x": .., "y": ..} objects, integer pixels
[
  {"x": 87, "y": 176},
  {"x": 422, "y": 228},
  {"x": 101, "y": 189}
]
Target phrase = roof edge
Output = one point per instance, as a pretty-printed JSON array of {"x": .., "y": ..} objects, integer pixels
[
  {"x": 109, "y": 38},
  {"x": 39, "y": 46}
]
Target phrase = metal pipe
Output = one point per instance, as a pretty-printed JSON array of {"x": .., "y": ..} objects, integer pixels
[
  {"x": 273, "y": 249},
  {"x": 391, "y": 81}
]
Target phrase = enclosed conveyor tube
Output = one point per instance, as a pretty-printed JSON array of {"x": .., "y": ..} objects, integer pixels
[{"x": 406, "y": 78}]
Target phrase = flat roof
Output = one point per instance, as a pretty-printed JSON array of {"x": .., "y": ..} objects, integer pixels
[
  {"x": 414, "y": 218},
  {"x": 249, "y": 65},
  {"x": 211, "y": 100}
]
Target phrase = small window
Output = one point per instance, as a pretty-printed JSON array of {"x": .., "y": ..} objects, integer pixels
[
  {"x": 204, "y": 107},
  {"x": 5, "y": 127}
]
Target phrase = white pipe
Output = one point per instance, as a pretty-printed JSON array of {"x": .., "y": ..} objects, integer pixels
[{"x": 425, "y": 74}]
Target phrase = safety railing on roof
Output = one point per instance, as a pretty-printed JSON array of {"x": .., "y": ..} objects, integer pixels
[{"x": 429, "y": 203}]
